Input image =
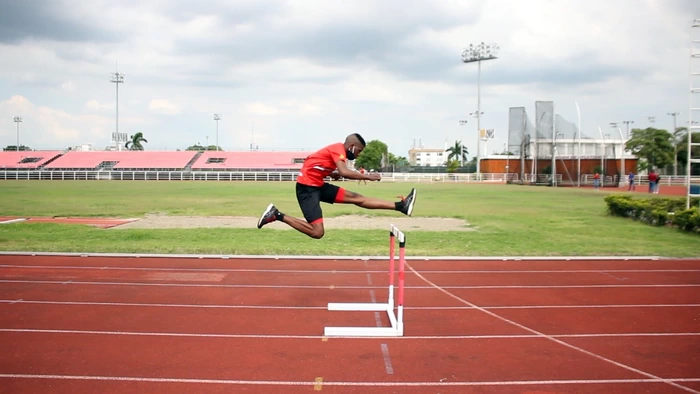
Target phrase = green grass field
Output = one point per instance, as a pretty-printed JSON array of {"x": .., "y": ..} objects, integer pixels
[{"x": 509, "y": 220}]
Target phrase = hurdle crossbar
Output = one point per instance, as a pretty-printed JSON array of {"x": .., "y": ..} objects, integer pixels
[{"x": 395, "y": 319}]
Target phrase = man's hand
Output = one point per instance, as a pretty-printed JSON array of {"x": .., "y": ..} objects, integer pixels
[
  {"x": 335, "y": 175},
  {"x": 374, "y": 176}
]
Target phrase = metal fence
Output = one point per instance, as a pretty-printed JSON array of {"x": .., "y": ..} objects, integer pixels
[
  {"x": 267, "y": 176},
  {"x": 263, "y": 176}
]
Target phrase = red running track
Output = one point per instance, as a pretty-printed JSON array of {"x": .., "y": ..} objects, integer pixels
[{"x": 133, "y": 325}]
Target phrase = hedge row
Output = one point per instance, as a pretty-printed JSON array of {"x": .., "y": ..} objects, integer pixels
[{"x": 656, "y": 211}]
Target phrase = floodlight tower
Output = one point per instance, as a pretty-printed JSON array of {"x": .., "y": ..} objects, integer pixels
[
  {"x": 675, "y": 143},
  {"x": 627, "y": 123},
  {"x": 117, "y": 78},
  {"x": 461, "y": 154},
  {"x": 622, "y": 151},
  {"x": 18, "y": 120},
  {"x": 217, "y": 118},
  {"x": 479, "y": 53}
]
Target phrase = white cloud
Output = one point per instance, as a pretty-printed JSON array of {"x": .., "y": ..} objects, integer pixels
[
  {"x": 68, "y": 86},
  {"x": 163, "y": 107},
  {"x": 300, "y": 70},
  {"x": 261, "y": 109},
  {"x": 44, "y": 127},
  {"x": 94, "y": 105}
]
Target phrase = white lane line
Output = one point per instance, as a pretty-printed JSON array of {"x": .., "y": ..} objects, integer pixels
[
  {"x": 372, "y": 297},
  {"x": 543, "y": 335},
  {"x": 341, "y": 383},
  {"x": 612, "y": 276},
  {"x": 283, "y": 336},
  {"x": 387, "y": 359},
  {"x": 297, "y": 271},
  {"x": 343, "y": 259},
  {"x": 103, "y": 283}
]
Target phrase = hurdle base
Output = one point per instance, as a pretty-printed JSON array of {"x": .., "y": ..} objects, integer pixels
[
  {"x": 363, "y": 307},
  {"x": 362, "y": 332},
  {"x": 396, "y": 329}
]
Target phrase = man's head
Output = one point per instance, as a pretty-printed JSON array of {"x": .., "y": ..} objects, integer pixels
[{"x": 354, "y": 144}]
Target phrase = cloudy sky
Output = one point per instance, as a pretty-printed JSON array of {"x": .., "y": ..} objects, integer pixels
[{"x": 302, "y": 74}]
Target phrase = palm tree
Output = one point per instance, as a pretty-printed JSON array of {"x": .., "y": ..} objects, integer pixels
[
  {"x": 457, "y": 153},
  {"x": 135, "y": 143}
]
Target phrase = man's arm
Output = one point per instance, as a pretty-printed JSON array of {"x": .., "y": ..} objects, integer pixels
[{"x": 345, "y": 172}]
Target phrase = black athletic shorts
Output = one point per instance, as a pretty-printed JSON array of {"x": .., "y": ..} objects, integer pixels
[{"x": 310, "y": 198}]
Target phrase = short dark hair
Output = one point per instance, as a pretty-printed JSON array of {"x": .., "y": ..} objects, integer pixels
[{"x": 362, "y": 140}]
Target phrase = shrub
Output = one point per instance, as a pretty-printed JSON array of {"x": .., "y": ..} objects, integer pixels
[{"x": 655, "y": 211}]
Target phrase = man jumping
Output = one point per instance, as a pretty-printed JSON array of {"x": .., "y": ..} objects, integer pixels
[{"x": 311, "y": 188}]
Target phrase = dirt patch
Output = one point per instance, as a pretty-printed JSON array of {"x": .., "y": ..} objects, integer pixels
[{"x": 357, "y": 222}]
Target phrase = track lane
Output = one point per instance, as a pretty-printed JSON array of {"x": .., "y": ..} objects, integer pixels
[{"x": 310, "y": 278}]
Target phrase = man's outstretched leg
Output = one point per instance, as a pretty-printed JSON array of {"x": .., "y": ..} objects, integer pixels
[{"x": 405, "y": 205}]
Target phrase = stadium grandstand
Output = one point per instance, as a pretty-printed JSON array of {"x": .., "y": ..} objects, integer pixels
[
  {"x": 26, "y": 160},
  {"x": 152, "y": 160},
  {"x": 256, "y": 160},
  {"x": 124, "y": 160}
]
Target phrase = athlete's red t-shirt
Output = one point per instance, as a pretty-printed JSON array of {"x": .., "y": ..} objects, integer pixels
[{"x": 320, "y": 164}]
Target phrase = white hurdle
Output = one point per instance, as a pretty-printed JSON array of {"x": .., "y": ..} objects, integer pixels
[{"x": 396, "y": 320}]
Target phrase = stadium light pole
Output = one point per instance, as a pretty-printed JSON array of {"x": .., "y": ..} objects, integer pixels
[
  {"x": 627, "y": 123},
  {"x": 622, "y": 152},
  {"x": 675, "y": 143},
  {"x": 602, "y": 157},
  {"x": 479, "y": 53},
  {"x": 461, "y": 154},
  {"x": 578, "y": 112},
  {"x": 117, "y": 78},
  {"x": 217, "y": 118},
  {"x": 614, "y": 125},
  {"x": 18, "y": 120}
]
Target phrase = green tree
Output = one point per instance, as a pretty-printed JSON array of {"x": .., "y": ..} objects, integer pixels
[
  {"x": 374, "y": 156},
  {"x": 14, "y": 148},
  {"x": 136, "y": 142},
  {"x": 653, "y": 146},
  {"x": 452, "y": 165},
  {"x": 455, "y": 152}
]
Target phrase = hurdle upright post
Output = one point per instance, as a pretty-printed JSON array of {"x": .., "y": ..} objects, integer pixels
[
  {"x": 392, "y": 248},
  {"x": 402, "y": 263}
]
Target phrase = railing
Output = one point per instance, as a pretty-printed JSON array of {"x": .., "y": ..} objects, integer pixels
[
  {"x": 233, "y": 176},
  {"x": 666, "y": 180},
  {"x": 266, "y": 176}
]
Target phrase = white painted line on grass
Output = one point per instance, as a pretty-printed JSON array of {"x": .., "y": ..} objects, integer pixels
[
  {"x": 13, "y": 221},
  {"x": 346, "y": 384},
  {"x": 551, "y": 338},
  {"x": 104, "y": 283},
  {"x": 283, "y": 336}
]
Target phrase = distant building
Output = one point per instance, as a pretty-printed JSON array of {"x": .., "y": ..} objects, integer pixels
[{"x": 427, "y": 157}]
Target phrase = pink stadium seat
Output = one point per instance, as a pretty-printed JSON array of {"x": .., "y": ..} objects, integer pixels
[
  {"x": 25, "y": 159},
  {"x": 123, "y": 160},
  {"x": 212, "y": 160}
]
